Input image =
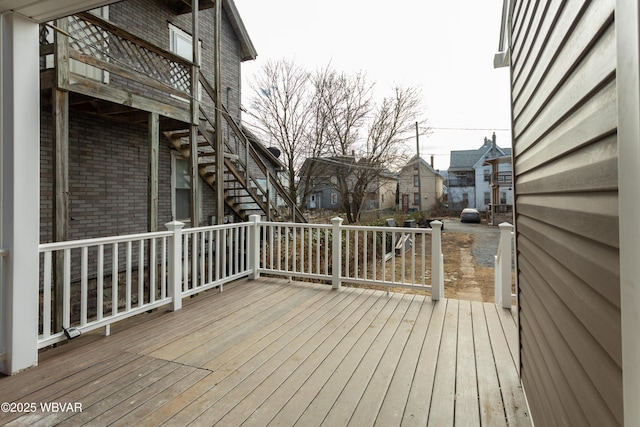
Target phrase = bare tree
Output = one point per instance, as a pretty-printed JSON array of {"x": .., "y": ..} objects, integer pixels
[
  {"x": 389, "y": 128},
  {"x": 281, "y": 109},
  {"x": 329, "y": 129}
]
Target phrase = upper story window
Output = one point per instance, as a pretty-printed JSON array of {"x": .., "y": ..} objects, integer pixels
[{"x": 180, "y": 43}]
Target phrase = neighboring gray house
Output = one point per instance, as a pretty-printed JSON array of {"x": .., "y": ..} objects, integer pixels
[
  {"x": 469, "y": 178},
  {"x": 575, "y": 91}
]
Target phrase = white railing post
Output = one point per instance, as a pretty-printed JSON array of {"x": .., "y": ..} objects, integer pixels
[
  {"x": 174, "y": 285},
  {"x": 437, "y": 273},
  {"x": 254, "y": 247},
  {"x": 336, "y": 255},
  {"x": 503, "y": 266}
]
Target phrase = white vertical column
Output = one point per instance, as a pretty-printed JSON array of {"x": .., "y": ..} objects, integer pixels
[
  {"x": 336, "y": 253},
  {"x": 20, "y": 125},
  {"x": 628, "y": 83},
  {"x": 254, "y": 246}
]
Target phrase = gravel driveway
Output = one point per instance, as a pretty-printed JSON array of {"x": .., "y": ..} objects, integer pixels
[{"x": 486, "y": 238}]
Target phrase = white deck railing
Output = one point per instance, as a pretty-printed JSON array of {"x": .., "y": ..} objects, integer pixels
[
  {"x": 503, "y": 266},
  {"x": 382, "y": 256},
  {"x": 101, "y": 281}
]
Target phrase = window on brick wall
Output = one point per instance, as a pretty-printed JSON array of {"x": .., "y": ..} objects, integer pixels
[
  {"x": 181, "y": 189},
  {"x": 180, "y": 43}
]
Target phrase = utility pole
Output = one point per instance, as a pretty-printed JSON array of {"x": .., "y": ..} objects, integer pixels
[{"x": 418, "y": 162}]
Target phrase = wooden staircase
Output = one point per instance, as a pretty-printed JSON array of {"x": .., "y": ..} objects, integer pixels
[
  {"x": 240, "y": 196},
  {"x": 246, "y": 186}
]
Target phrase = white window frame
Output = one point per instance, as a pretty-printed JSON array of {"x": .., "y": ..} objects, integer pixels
[
  {"x": 175, "y": 157},
  {"x": 175, "y": 34}
]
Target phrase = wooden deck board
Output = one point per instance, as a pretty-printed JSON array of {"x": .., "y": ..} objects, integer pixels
[
  {"x": 466, "y": 403},
  {"x": 392, "y": 409},
  {"x": 490, "y": 400},
  {"x": 270, "y": 352}
]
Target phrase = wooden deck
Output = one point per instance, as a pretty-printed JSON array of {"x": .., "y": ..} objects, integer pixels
[{"x": 269, "y": 352}]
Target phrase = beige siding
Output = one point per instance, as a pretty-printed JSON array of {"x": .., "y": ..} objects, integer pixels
[{"x": 566, "y": 183}]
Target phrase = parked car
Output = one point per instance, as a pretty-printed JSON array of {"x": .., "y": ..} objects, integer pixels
[{"x": 470, "y": 215}]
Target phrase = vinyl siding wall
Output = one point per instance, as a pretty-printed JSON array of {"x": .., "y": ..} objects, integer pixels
[{"x": 565, "y": 153}]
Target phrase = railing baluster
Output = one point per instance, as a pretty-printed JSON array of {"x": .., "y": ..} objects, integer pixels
[
  {"x": 218, "y": 254},
  {"x": 310, "y": 250},
  {"x": 270, "y": 231},
  {"x": 318, "y": 246},
  {"x": 163, "y": 291},
  {"x": 185, "y": 263},
  {"x": 279, "y": 242},
  {"x": 46, "y": 296},
  {"x": 301, "y": 253},
  {"x": 210, "y": 257},
  {"x": 423, "y": 264},
  {"x": 140, "y": 273},
  {"x": 366, "y": 253},
  {"x": 375, "y": 254},
  {"x": 128, "y": 281},
  {"x": 153, "y": 265},
  {"x": 202, "y": 258},
  {"x": 393, "y": 258},
  {"x": 83, "y": 285},
  {"x": 295, "y": 247},
  {"x": 100, "y": 284},
  {"x": 194, "y": 260},
  {"x": 413, "y": 257},
  {"x": 347, "y": 254},
  {"x": 114, "y": 279},
  {"x": 66, "y": 289}
]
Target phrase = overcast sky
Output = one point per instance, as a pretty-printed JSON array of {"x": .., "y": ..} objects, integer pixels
[{"x": 443, "y": 47}]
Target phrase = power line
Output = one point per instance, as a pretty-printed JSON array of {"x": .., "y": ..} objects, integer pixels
[{"x": 472, "y": 129}]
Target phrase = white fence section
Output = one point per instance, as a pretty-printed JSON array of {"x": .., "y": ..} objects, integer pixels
[
  {"x": 101, "y": 281},
  {"x": 503, "y": 266},
  {"x": 382, "y": 256},
  {"x": 89, "y": 284}
]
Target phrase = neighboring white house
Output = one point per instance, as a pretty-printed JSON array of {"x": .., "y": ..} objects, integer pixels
[{"x": 469, "y": 178}]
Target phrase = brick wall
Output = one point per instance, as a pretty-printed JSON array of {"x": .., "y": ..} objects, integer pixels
[{"x": 108, "y": 179}]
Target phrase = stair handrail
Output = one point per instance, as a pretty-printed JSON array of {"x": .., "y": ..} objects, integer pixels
[
  {"x": 254, "y": 155},
  {"x": 250, "y": 177}
]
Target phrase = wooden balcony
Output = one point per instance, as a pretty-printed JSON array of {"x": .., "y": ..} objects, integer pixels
[
  {"x": 273, "y": 352},
  {"x": 501, "y": 179}
]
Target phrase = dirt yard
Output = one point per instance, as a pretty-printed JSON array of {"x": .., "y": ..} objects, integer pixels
[{"x": 464, "y": 278}]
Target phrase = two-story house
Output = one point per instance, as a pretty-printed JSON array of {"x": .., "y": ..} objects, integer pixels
[
  {"x": 419, "y": 185},
  {"x": 469, "y": 182},
  {"x": 322, "y": 174},
  {"x": 134, "y": 133}
]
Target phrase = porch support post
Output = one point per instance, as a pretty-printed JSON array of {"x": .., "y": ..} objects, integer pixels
[
  {"x": 336, "y": 253},
  {"x": 20, "y": 204},
  {"x": 174, "y": 285},
  {"x": 503, "y": 267},
  {"x": 254, "y": 247},
  {"x": 437, "y": 274},
  {"x": 60, "y": 115},
  {"x": 195, "y": 113},
  {"x": 217, "y": 82},
  {"x": 628, "y": 84},
  {"x": 61, "y": 192},
  {"x": 154, "y": 147}
]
